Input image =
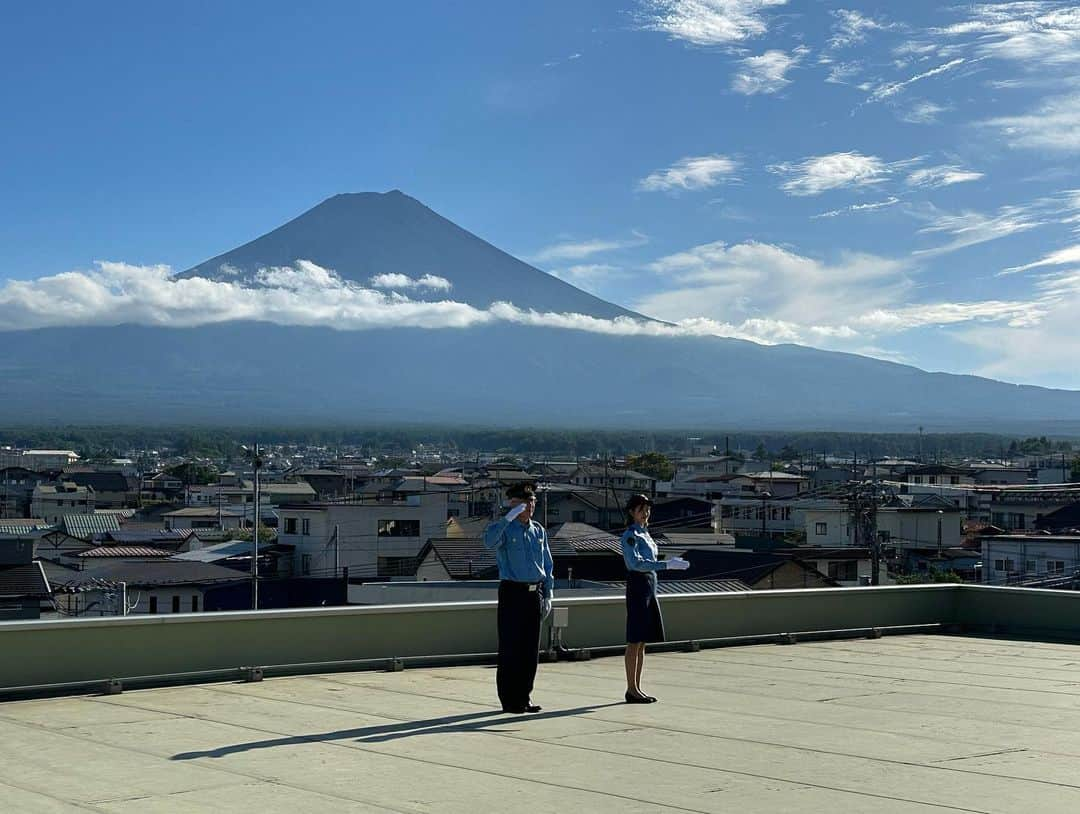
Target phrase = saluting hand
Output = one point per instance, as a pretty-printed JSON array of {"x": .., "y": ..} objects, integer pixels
[{"x": 511, "y": 515}]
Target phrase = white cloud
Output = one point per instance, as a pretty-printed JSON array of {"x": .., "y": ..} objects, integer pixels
[
  {"x": 1029, "y": 33},
  {"x": 399, "y": 281},
  {"x": 692, "y": 172},
  {"x": 707, "y": 22},
  {"x": 1062, "y": 257},
  {"x": 892, "y": 88},
  {"x": 769, "y": 294},
  {"x": 852, "y": 28},
  {"x": 815, "y": 175},
  {"x": 1042, "y": 350},
  {"x": 866, "y": 207},
  {"x": 766, "y": 73},
  {"x": 303, "y": 294},
  {"x": 923, "y": 112},
  {"x": 969, "y": 228},
  {"x": 759, "y": 280},
  {"x": 943, "y": 176},
  {"x": 841, "y": 73},
  {"x": 1054, "y": 125},
  {"x": 571, "y": 250}
]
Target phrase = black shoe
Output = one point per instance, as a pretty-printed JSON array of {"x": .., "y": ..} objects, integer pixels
[
  {"x": 514, "y": 710},
  {"x": 637, "y": 699},
  {"x": 533, "y": 708},
  {"x": 650, "y": 699}
]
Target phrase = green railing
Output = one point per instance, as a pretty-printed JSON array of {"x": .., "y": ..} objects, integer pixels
[{"x": 78, "y": 654}]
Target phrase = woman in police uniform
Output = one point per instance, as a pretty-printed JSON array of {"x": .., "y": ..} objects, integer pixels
[{"x": 643, "y": 620}]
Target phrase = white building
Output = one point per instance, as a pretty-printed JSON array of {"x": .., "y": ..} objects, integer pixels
[
  {"x": 379, "y": 537},
  {"x": 904, "y": 524},
  {"x": 38, "y": 459},
  {"x": 1015, "y": 557}
]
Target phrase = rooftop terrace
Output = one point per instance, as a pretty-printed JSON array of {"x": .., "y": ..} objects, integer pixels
[
  {"x": 830, "y": 703},
  {"x": 915, "y": 723}
]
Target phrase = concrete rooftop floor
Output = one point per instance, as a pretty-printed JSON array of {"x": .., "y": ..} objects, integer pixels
[{"x": 901, "y": 724}]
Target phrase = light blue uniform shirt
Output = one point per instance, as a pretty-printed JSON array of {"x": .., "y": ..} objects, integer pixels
[
  {"x": 639, "y": 550},
  {"x": 522, "y": 552}
]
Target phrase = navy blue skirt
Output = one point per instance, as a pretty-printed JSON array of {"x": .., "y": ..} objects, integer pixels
[{"x": 644, "y": 623}]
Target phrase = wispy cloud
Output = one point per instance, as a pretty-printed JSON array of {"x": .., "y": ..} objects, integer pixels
[
  {"x": 817, "y": 174},
  {"x": 690, "y": 173},
  {"x": 842, "y": 73},
  {"x": 1026, "y": 32},
  {"x": 707, "y": 22},
  {"x": 403, "y": 281},
  {"x": 853, "y": 27},
  {"x": 571, "y": 250},
  {"x": 943, "y": 176},
  {"x": 1054, "y": 125},
  {"x": 1062, "y": 257},
  {"x": 766, "y": 73},
  {"x": 890, "y": 89},
  {"x": 771, "y": 294},
  {"x": 970, "y": 228},
  {"x": 922, "y": 112},
  {"x": 866, "y": 207}
]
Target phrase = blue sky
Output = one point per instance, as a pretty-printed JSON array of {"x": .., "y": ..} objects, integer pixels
[{"x": 898, "y": 180}]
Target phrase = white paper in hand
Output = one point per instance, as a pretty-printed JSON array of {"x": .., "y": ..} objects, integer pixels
[{"x": 677, "y": 564}]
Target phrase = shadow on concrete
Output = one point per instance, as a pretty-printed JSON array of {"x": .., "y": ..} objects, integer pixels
[{"x": 469, "y": 722}]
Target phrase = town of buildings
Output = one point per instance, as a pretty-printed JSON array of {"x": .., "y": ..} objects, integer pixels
[{"x": 336, "y": 526}]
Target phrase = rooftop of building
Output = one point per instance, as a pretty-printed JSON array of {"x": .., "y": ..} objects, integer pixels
[{"x": 901, "y": 724}]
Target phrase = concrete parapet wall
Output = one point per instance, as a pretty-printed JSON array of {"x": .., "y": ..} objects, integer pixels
[{"x": 65, "y": 651}]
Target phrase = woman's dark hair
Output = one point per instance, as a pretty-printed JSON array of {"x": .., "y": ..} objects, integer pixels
[{"x": 634, "y": 502}]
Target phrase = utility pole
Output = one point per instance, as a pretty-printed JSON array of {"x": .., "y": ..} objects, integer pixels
[{"x": 255, "y": 537}]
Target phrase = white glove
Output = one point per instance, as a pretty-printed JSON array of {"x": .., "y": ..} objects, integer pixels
[
  {"x": 511, "y": 515},
  {"x": 545, "y": 608},
  {"x": 677, "y": 564}
]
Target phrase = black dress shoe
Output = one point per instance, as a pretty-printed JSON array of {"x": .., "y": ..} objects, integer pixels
[
  {"x": 637, "y": 699},
  {"x": 514, "y": 710},
  {"x": 533, "y": 708}
]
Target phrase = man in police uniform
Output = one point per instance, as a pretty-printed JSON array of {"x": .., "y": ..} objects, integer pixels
[{"x": 526, "y": 582}]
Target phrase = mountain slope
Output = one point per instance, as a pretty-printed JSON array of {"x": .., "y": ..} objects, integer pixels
[
  {"x": 360, "y": 235},
  {"x": 495, "y": 374}
]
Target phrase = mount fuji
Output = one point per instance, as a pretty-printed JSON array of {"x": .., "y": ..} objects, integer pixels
[{"x": 255, "y": 370}]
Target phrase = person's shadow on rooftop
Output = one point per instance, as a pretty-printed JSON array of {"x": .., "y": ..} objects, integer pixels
[{"x": 468, "y": 722}]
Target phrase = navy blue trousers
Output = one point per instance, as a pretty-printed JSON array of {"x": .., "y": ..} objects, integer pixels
[{"x": 520, "y": 614}]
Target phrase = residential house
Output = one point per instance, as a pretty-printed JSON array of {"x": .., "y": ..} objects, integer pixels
[
  {"x": 847, "y": 565},
  {"x": 622, "y": 483},
  {"x": 23, "y": 584},
  {"x": 146, "y": 587},
  {"x": 1013, "y": 558},
  {"x": 760, "y": 571},
  {"x": 17, "y": 489},
  {"x": 161, "y": 486},
  {"x": 374, "y": 537},
  {"x": 565, "y": 503},
  {"x": 1024, "y": 510},
  {"x": 1067, "y": 518},
  {"x": 225, "y": 517},
  {"x": 54, "y": 501},
  {"x": 110, "y": 488}
]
